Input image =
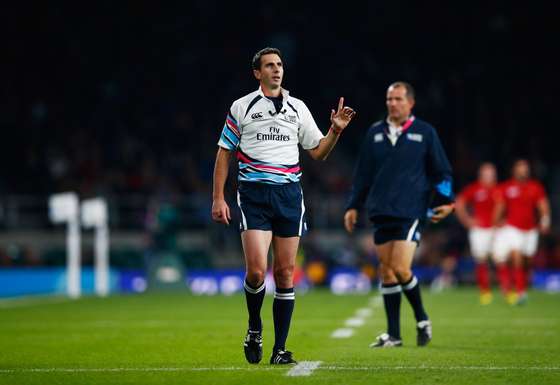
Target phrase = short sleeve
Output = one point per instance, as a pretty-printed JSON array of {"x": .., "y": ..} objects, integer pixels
[
  {"x": 231, "y": 134},
  {"x": 309, "y": 134},
  {"x": 540, "y": 193}
]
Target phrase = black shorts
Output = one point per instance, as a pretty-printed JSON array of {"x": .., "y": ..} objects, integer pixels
[
  {"x": 387, "y": 229},
  {"x": 276, "y": 208}
]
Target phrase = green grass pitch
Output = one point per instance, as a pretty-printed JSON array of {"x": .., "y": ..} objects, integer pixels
[{"x": 177, "y": 338}]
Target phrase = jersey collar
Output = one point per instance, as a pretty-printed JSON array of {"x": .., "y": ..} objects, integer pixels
[{"x": 285, "y": 93}]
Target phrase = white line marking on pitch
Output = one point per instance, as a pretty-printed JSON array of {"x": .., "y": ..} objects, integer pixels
[
  {"x": 396, "y": 368},
  {"x": 376, "y": 301},
  {"x": 93, "y": 370},
  {"x": 304, "y": 368},
  {"x": 354, "y": 322},
  {"x": 357, "y": 320},
  {"x": 277, "y": 368},
  {"x": 364, "y": 312},
  {"x": 342, "y": 333}
]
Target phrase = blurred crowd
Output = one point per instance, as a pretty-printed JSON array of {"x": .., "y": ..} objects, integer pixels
[{"x": 130, "y": 98}]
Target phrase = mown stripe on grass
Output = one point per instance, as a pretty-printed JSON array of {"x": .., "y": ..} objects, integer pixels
[
  {"x": 278, "y": 368},
  {"x": 32, "y": 300}
]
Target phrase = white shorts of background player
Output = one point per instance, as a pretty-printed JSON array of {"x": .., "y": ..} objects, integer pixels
[
  {"x": 481, "y": 240},
  {"x": 510, "y": 238}
]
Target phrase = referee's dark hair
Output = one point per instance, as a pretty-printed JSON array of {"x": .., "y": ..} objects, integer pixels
[
  {"x": 407, "y": 86},
  {"x": 265, "y": 51}
]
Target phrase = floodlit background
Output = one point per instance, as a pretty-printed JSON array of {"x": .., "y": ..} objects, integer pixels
[{"x": 126, "y": 101}]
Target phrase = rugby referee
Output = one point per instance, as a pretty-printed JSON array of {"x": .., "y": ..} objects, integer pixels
[
  {"x": 264, "y": 129},
  {"x": 402, "y": 170}
]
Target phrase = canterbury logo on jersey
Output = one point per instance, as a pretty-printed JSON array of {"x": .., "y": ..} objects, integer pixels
[{"x": 257, "y": 115}]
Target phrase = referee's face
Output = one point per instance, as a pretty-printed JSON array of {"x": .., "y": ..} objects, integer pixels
[
  {"x": 271, "y": 72},
  {"x": 399, "y": 105}
]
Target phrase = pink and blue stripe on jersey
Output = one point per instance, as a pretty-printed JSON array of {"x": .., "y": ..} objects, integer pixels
[
  {"x": 252, "y": 170},
  {"x": 230, "y": 134}
]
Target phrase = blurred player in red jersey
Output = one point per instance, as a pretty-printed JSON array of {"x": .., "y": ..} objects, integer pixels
[
  {"x": 520, "y": 199},
  {"x": 475, "y": 207}
]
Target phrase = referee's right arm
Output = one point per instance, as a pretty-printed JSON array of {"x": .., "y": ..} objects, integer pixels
[
  {"x": 220, "y": 209},
  {"x": 362, "y": 182},
  {"x": 229, "y": 141},
  {"x": 362, "y": 174}
]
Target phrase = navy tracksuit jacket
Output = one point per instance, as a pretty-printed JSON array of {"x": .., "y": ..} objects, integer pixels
[{"x": 403, "y": 180}]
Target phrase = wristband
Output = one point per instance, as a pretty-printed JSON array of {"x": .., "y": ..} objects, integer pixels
[{"x": 333, "y": 130}]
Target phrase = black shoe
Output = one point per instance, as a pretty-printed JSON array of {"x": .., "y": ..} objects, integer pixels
[
  {"x": 253, "y": 347},
  {"x": 281, "y": 357},
  {"x": 424, "y": 330},
  {"x": 386, "y": 341}
]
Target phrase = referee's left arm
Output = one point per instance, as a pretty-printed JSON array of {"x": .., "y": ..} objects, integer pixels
[
  {"x": 363, "y": 174},
  {"x": 339, "y": 121},
  {"x": 439, "y": 170}
]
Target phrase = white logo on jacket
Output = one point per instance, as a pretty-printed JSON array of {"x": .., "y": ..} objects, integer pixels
[{"x": 414, "y": 137}]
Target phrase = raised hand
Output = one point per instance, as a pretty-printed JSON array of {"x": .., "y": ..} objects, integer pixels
[{"x": 341, "y": 118}]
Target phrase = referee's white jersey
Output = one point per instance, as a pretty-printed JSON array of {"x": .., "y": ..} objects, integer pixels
[{"x": 266, "y": 141}]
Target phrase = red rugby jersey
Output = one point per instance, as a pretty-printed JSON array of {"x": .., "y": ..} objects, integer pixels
[
  {"x": 482, "y": 199},
  {"x": 521, "y": 200}
]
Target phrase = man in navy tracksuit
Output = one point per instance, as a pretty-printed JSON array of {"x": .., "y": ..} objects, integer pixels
[{"x": 401, "y": 172}]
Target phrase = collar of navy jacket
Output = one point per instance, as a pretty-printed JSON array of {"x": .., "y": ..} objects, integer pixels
[
  {"x": 393, "y": 132},
  {"x": 412, "y": 127}
]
